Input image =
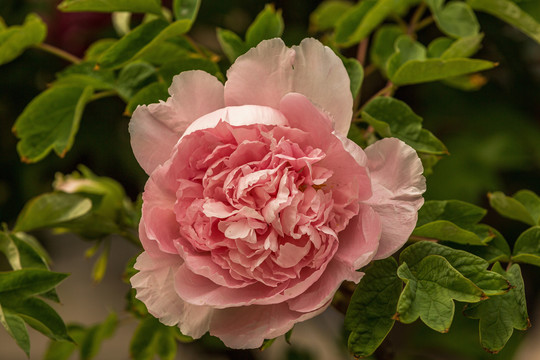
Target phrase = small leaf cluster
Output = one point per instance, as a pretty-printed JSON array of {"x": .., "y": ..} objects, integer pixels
[
  {"x": 24, "y": 289},
  {"x": 425, "y": 285},
  {"x": 430, "y": 276}
]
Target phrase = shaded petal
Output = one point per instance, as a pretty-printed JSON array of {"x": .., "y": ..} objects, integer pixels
[
  {"x": 246, "y": 327},
  {"x": 238, "y": 116},
  {"x": 325, "y": 288},
  {"x": 154, "y": 284},
  {"x": 266, "y": 73},
  {"x": 156, "y": 128},
  {"x": 398, "y": 185},
  {"x": 359, "y": 242}
]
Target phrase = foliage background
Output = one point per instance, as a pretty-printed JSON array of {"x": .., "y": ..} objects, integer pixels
[{"x": 493, "y": 136}]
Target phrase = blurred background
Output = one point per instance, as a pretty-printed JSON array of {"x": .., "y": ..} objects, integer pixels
[{"x": 493, "y": 136}]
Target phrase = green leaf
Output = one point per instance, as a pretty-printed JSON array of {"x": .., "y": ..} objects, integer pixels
[
  {"x": 420, "y": 71},
  {"x": 438, "y": 46},
  {"x": 186, "y": 9},
  {"x": 383, "y": 45},
  {"x": 100, "y": 266},
  {"x": 374, "y": 302},
  {"x": 97, "y": 48},
  {"x": 497, "y": 249},
  {"x": 451, "y": 220},
  {"x": 133, "y": 78},
  {"x": 15, "y": 39},
  {"x": 173, "y": 48},
  {"x": 141, "y": 41},
  {"x": 19, "y": 284},
  {"x": 50, "y": 210},
  {"x": 524, "y": 206},
  {"x": 471, "y": 82},
  {"x": 356, "y": 74},
  {"x": 447, "y": 231},
  {"x": 463, "y": 47},
  {"x": 143, "y": 6},
  {"x": 85, "y": 74},
  {"x": 188, "y": 62},
  {"x": 470, "y": 266},
  {"x": 16, "y": 328},
  {"x": 231, "y": 44},
  {"x": 151, "y": 338},
  {"x": 527, "y": 247},
  {"x": 266, "y": 344},
  {"x": 511, "y": 13},
  {"x": 94, "y": 336},
  {"x": 51, "y": 121},
  {"x": 365, "y": 17},
  {"x": 455, "y": 19},
  {"x": 392, "y": 117},
  {"x": 430, "y": 290},
  {"x": 62, "y": 350},
  {"x": 500, "y": 315},
  {"x": 21, "y": 254},
  {"x": 406, "y": 49},
  {"x": 267, "y": 25},
  {"x": 42, "y": 317},
  {"x": 348, "y": 27},
  {"x": 327, "y": 14},
  {"x": 147, "y": 95}
]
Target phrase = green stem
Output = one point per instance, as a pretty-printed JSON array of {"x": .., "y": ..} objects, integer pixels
[
  {"x": 411, "y": 30},
  {"x": 103, "y": 94},
  {"x": 422, "y": 24},
  {"x": 59, "y": 52}
]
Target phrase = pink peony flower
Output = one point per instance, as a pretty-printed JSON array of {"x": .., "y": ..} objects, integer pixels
[{"x": 258, "y": 207}]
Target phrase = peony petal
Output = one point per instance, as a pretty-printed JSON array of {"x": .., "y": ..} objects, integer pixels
[
  {"x": 154, "y": 284},
  {"x": 238, "y": 116},
  {"x": 325, "y": 288},
  {"x": 261, "y": 76},
  {"x": 321, "y": 76},
  {"x": 247, "y": 327},
  {"x": 156, "y": 128},
  {"x": 269, "y": 71},
  {"x": 341, "y": 154},
  {"x": 398, "y": 185},
  {"x": 359, "y": 242}
]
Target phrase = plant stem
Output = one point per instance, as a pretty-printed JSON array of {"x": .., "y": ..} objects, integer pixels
[
  {"x": 59, "y": 52},
  {"x": 422, "y": 24},
  {"x": 411, "y": 29},
  {"x": 362, "y": 51},
  {"x": 103, "y": 94}
]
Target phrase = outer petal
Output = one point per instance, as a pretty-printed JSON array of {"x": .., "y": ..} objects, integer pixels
[
  {"x": 321, "y": 76},
  {"x": 398, "y": 185},
  {"x": 155, "y": 288},
  {"x": 246, "y": 327},
  {"x": 261, "y": 76},
  {"x": 156, "y": 128},
  {"x": 359, "y": 242},
  {"x": 269, "y": 71}
]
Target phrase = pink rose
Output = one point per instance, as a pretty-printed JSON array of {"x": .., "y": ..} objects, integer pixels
[{"x": 258, "y": 207}]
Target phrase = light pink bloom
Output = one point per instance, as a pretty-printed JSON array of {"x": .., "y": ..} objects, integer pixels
[{"x": 258, "y": 207}]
